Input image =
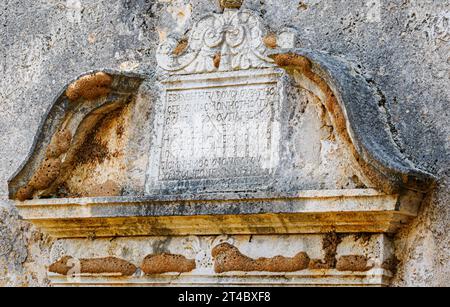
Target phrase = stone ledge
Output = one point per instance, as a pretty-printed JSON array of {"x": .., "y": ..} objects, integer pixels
[
  {"x": 374, "y": 278},
  {"x": 344, "y": 211}
]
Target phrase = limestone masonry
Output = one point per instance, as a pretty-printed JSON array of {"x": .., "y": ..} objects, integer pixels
[{"x": 231, "y": 142}]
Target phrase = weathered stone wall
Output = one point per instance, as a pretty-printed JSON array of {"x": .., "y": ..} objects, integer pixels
[{"x": 403, "y": 46}]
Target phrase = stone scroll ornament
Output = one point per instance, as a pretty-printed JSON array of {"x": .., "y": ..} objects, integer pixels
[{"x": 234, "y": 40}]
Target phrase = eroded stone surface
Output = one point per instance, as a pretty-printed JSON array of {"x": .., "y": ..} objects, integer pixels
[
  {"x": 23, "y": 251},
  {"x": 401, "y": 40},
  {"x": 237, "y": 35},
  {"x": 81, "y": 148},
  {"x": 226, "y": 131}
]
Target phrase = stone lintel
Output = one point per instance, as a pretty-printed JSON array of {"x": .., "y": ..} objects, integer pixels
[{"x": 343, "y": 211}]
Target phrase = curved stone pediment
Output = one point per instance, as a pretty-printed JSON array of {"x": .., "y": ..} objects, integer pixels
[
  {"x": 245, "y": 158},
  {"x": 261, "y": 123},
  {"x": 70, "y": 136},
  {"x": 357, "y": 108}
]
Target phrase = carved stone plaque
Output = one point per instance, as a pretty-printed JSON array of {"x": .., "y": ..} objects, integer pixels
[
  {"x": 217, "y": 131},
  {"x": 217, "y": 125}
]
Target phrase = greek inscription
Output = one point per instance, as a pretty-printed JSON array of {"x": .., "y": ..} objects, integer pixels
[{"x": 218, "y": 132}]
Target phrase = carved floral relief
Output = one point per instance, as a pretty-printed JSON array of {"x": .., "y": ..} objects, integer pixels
[{"x": 233, "y": 40}]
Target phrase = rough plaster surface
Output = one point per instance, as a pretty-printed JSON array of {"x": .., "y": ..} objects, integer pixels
[
  {"x": 403, "y": 46},
  {"x": 23, "y": 251}
]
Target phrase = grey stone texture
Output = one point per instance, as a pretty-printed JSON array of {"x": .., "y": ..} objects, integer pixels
[{"x": 402, "y": 47}]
